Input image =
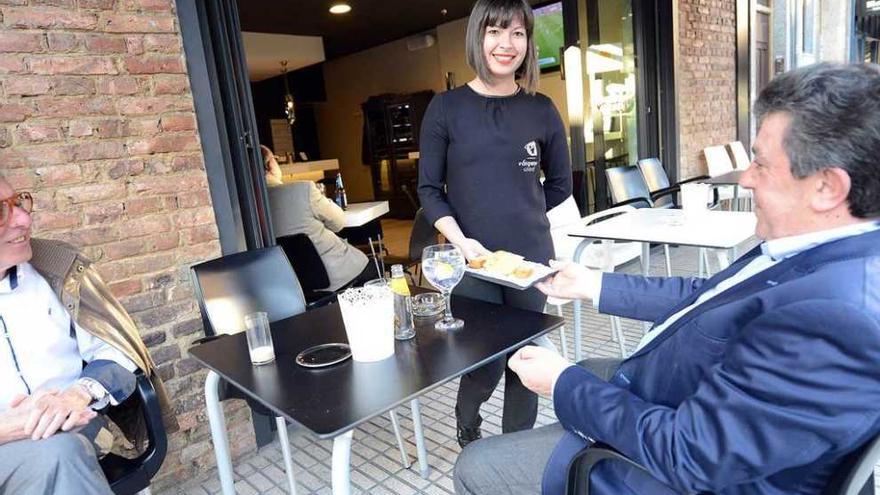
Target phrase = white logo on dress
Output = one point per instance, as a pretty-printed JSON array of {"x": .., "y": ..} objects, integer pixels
[{"x": 531, "y": 148}]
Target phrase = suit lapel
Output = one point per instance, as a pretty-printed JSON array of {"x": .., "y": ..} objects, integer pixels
[{"x": 858, "y": 246}]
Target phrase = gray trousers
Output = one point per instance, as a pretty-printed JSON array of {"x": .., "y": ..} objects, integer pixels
[
  {"x": 513, "y": 464},
  {"x": 64, "y": 463}
]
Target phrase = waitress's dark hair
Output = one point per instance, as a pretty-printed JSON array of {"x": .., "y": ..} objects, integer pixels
[{"x": 502, "y": 13}]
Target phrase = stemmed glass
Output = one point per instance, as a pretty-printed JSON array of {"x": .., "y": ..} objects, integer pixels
[{"x": 443, "y": 266}]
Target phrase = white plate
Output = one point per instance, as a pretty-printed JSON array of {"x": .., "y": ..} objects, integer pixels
[{"x": 539, "y": 272}]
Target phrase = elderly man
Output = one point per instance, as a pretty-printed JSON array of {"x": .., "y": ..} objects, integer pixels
[
  {"x": 67, "y": 351},
  {"x": 760, "y": 379}
]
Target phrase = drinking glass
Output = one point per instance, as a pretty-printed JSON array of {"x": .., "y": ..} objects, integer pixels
[
  {"x": 443, "y": 266},
  {"x": 259, "y": 338}
]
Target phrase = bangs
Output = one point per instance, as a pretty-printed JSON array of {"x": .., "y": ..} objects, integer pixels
[{"x": 502, "y": 13}]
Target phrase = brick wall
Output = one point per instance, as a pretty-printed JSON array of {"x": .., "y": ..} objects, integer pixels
[
  {"x": 96, "y": 118},
  {"x": 706, "y": 78}
]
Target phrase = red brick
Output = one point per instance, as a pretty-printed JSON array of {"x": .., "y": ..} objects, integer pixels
[
  {"x": 134, "y": 23},
  {"x": 73, "y": 86},
  {"x": 155, "y": 64},
  {"x": 165, "y": 84},
  {"x": 53, "y": 220},
  {"x": 27, "y": 86},
  {"x": 54, "y": 3},
  {"x": 21, "y": 42},
  {"x": 149, "y": 225},
  {"x": 148, "y": 126},
  {"x": 91, "y": 236},
  {"x": 150, "y": 5},
  {"x": 178, "y": 122},
  {"x": 96, "y": 150},
  {"x": 49, "y": 18},
  {"x": 79, "y": 128},
  {"x": 134, "y": 45},
  {"x": 163, "y": 144},
  {"x": 125, "y": 288},
  {"x": 66, "y": 64},
  {"x": 125, "y": 168},
  {"x": 74, "y": 106},
  {"x": 169, "y": 184},
  {"x": 5, "y": 138},
  {"x": 119, "y": 85},
  {"x": 163, "y": 43},
  {"x": 59, "y": 175},
  {"x": 103, "y": 213},
  {"x": 12, "y": 64},
  {"x": 93, "y": 192},
  {"x": 111, "y": 128},
  {"x": 140, "y": 206},
  {"x": 194, "y": 199},
  {"x": 146, "y": 105},
  {"x": 187, "y": 162},
  {"x": 63, "y": 42},
  {"x": 37, "y": 133},
  {"x": 97, "y": 4},
  {"x": 13, "y": 158},
  {"x": 199, "y": 234},
  {"x": 14, "y": 112},
  {"x": 101, "y": 43},
  {"x": 195, "y": 216}
]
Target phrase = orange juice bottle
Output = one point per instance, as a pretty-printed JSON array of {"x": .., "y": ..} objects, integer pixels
[{"x": 403, "y": 317}]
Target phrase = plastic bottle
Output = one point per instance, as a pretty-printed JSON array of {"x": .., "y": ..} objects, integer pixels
[{"x": 403, "y": 317}]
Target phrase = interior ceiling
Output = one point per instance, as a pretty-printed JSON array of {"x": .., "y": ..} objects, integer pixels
[{"x": 370, "y": 22}]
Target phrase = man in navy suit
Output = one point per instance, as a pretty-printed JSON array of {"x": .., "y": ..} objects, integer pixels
[{"x": 759, "y": 380}]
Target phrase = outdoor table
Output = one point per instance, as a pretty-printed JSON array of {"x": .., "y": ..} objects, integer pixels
[
  {"x": 723, "y": 230},
  {"x": 332, "y": 401}
]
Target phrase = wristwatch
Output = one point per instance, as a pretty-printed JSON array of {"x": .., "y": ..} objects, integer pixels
[{"x": 95, "y": 390}]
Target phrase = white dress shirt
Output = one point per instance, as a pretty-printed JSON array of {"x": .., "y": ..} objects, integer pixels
[{"x": 37, "y": 348}]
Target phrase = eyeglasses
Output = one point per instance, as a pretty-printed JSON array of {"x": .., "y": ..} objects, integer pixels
[{"x": 22, "y": 200}]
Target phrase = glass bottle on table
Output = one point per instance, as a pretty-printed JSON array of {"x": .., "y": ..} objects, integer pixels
[
  {"x": 341, "y": 198},
  {"x": 403, "y": 315}
]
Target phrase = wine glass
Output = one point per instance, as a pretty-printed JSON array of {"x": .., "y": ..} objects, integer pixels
[{"x": 443, "y": 266}]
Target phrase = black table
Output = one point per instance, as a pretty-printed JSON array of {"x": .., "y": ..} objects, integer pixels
[{"x": 332, "y": 401}]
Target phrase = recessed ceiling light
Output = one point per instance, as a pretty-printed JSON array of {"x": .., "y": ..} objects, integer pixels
[{"x": 340, "y": 8}]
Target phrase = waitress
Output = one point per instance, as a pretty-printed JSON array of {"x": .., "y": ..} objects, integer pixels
[{"x": 483, "y": 148}]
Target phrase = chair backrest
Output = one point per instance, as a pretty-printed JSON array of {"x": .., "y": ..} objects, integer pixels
[
  {"x": 564, "y": 213},
  {"x": 232, "y": 286},
  {"x": 656, "y": 179},
  {"x": 306, "y": 262},
  {"x": 627, "y": 183},
  {"x": 717, "y": 160},
  {"x": 423, "y": 235},
  {"x": 855, "y": 474},
  {"x": 602, "y": 255},
  {"x": 741, "y": 159}
]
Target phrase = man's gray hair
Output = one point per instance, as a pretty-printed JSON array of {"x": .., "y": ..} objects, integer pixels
[{"x": 835, "y": 122}]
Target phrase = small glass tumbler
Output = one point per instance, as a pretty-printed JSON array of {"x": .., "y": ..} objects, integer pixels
[{"x": 259, "y": 338}]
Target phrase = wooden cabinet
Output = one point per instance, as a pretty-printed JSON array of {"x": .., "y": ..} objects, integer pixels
[{"x": 391, "y": 132}]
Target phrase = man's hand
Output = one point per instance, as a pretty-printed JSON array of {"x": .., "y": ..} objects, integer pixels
[
  {"x": 471, "y": 248},
  {"x": 572, "y": 281},
  {"x": 66, "y": 410},
  {"x": 538, "y": 368}
]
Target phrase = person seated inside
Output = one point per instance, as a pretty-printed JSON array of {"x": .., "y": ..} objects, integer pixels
[
  {"x": 299, "y": 207},
  {"x": 760, "y": 379},
  {"x": 274, "y": 176},
  {"x": 68, "y": 350}
]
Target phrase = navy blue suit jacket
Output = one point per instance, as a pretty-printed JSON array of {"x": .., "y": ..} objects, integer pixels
[{"x": 762, "y": 389}]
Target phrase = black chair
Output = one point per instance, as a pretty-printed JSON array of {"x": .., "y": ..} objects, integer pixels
[
  {"x": 309, "y": 268},
  {"x": 423, "y": 235},
  {"x": 128, "y": 476},
  {"x": 230, "y": 287},
  {"x": 662, "y": 194},
  {"x": 855, "y": 476}
]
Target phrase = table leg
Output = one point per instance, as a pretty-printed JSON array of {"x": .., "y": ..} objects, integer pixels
[
  {"x": 285, "y": 451},
  {"x": 416, "y": 412},
  {"x": 404, "y": 459},
  {"x": 646, "y": 258},
  {"x": 218, "y": 432},
  {"x": 342, "y": 463},
  {"x": 577, "y": 303}
]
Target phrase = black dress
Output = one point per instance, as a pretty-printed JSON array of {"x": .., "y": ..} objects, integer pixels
[{"x": 480, "y": 161}]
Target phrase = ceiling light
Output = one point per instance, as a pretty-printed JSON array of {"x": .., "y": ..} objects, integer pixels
[{"x": 340, "y": 8}]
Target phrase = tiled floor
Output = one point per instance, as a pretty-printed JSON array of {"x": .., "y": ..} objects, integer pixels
[{"x": 375, "y": 460}]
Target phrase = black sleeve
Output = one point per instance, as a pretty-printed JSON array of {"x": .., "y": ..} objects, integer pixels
[
  {"x": 433, "y": 142},
  {"x": 555, "y": 161}
]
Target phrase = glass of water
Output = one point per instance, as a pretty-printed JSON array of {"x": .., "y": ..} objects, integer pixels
[{"x": 443, "y": 266}]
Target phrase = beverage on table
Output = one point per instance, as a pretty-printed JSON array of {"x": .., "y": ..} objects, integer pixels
[
  {"x": 341, "y": 198},
  {"x": 443, "y": 266},
  {"x": 368, "y": 315},
  {"x": 403, "y": 315},
  {"x": 259, "y": 338}
]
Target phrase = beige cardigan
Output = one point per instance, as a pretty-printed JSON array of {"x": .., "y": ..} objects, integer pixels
[{"x": 93, "y": 307}]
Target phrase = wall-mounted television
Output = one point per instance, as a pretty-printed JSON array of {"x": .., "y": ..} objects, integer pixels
[{"x": 549, "y": 35}]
